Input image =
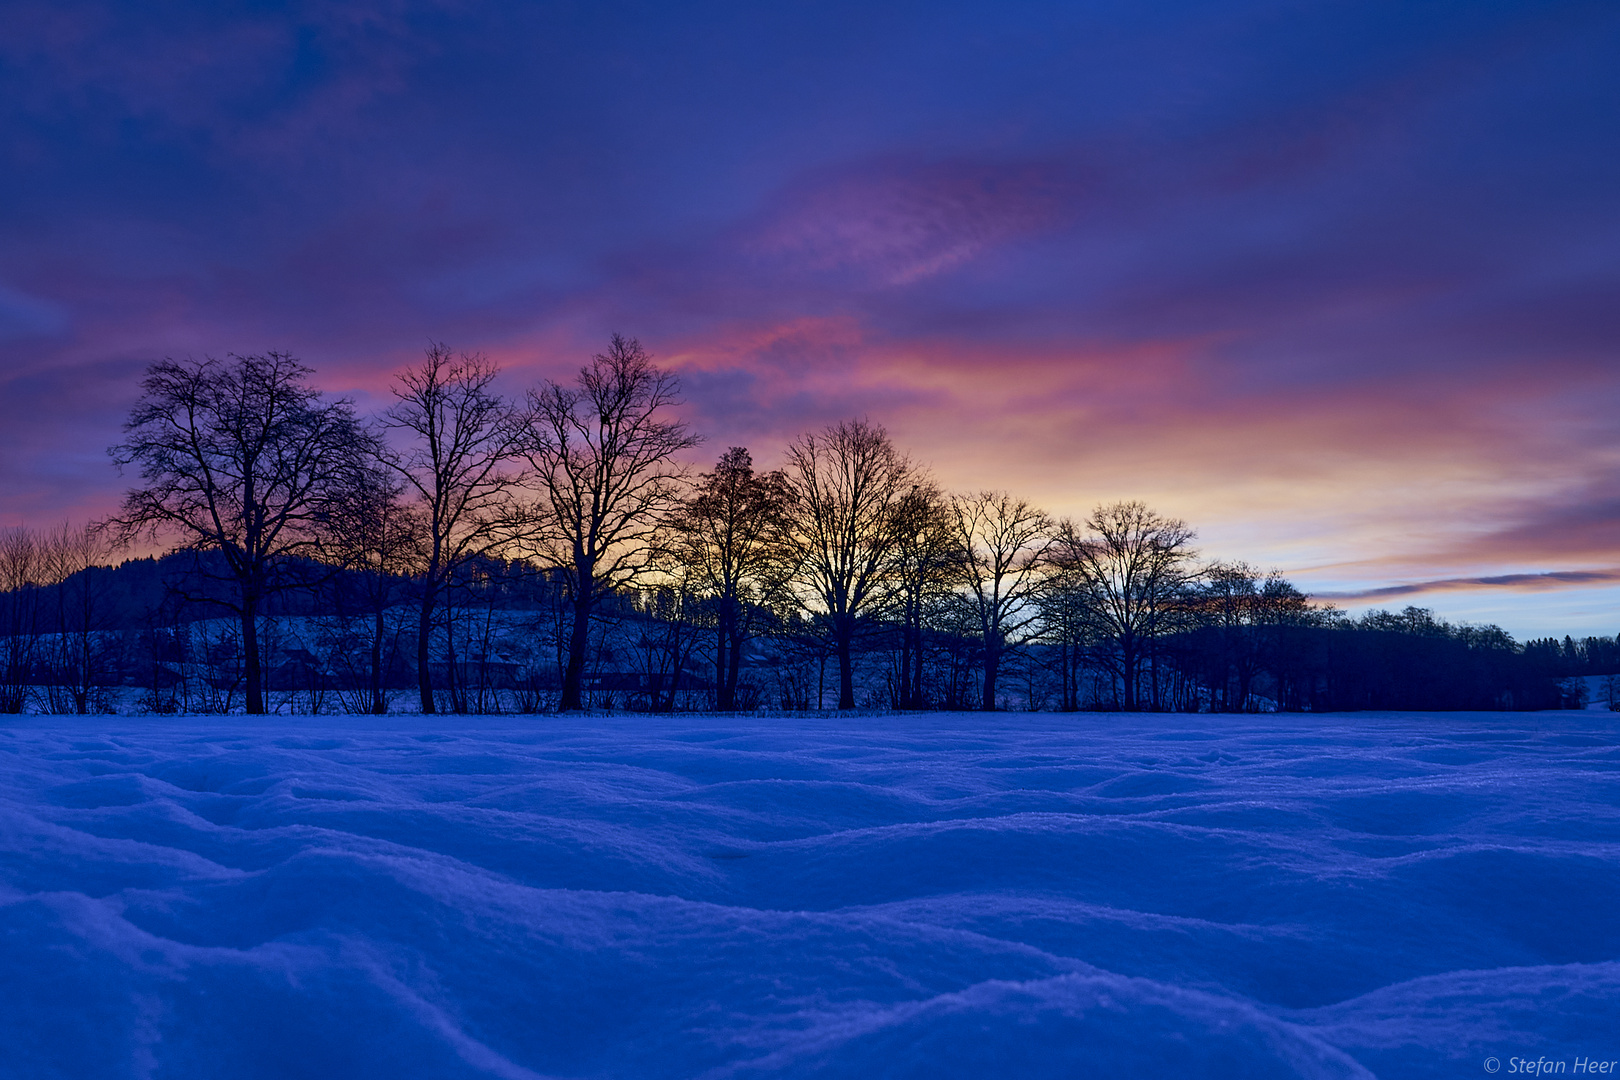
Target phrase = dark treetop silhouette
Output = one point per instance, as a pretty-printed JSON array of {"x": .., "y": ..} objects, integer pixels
[
  {"x": 603, "y": 465},
  {"x": 602, "y": 572},
  {"x": 241, "y": 456}
]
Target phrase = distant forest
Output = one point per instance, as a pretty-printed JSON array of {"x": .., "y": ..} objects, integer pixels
[{"x": 463, "y": 552}]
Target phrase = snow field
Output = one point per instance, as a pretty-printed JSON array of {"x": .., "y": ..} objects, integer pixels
[{"x": 921, "y": 896}]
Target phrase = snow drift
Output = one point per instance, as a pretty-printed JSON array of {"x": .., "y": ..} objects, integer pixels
[{"x": 922, "y": 896}]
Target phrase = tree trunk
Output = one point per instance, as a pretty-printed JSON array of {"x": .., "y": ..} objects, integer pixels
[
  {"x": 736, "y": 665},
  {"x": 992, "y": 668},
  {"x": 720, "y": 667},
  {"x": 677, "y": 663},
  {"x": 1067, "y": 673},
  {"x": 424, "y": 648},
  {"x": 725, "y": 697},
  {"x": 455, "y": 686},
  {"x": 917, "y": 699},
  {"x": 1128, "y": 662},
  {"x": 250, "y": 655},
  {"x": 910, "y": 646},
  {"x": 1153, "y": 675},
  {"x": 579, "y": 640},
  {"x": 844, "y": 632},
  {"x": 378, "y": 705},
  {"x": 902, "y": 698}
]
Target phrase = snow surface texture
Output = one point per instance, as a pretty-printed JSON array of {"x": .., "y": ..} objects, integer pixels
[{"x": 934, "y": 896}]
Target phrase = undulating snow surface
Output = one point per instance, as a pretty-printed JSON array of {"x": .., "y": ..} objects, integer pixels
[{"x": 933, "y": 896}]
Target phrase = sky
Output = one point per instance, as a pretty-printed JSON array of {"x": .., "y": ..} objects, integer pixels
[{"x": 1336, "y": 283}]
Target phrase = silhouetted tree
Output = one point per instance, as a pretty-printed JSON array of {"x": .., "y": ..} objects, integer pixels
[
  {"x": 1227, "y": 648},
  {"x": 1413, "y": 660},
  {"x": 1000, "y": 545},
  {"x": 603, "y": 465},
  {"x": 462, "y": 443},
  {"x": 1065, "y": 620},
  {"x": 847, "y": 483},
  {"x": 378, "y": 538},
  {"x": 1282, "y": 615},
  {"x": 1132, "y": 566},
  {"x": 239, "y": 456},
  {"x": 82, "y": 657},
  {"x": 22, "y": 571},
  {"x": 729, "y": 538},
  {"x": 922, "y": 568},
  {"x": 1244, "y": 629}
]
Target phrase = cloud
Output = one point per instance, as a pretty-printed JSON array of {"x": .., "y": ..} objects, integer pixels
[
  {"x": 1554, "y": 579},
  {"x": 898, "y": 223},
  {"x": 1581, "y": 524}
]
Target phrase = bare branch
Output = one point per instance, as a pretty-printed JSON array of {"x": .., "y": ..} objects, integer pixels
[
  {"x": 239, "y": 456},
  {"x": 605, "y": 476}
]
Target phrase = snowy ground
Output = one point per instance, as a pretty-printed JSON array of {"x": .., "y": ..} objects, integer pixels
[{"x": 940, "y": 896}]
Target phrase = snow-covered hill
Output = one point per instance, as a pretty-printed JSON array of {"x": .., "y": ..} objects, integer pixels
[{"x": 927, "y": 896}]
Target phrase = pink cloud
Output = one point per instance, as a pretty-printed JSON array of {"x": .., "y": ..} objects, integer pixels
[{"x": 897, "y": 225}]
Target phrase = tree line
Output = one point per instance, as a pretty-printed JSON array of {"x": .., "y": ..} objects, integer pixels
[{"x": 554, "y": 552}]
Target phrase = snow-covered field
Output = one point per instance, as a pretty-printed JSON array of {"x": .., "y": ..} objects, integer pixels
[{"x": 933, "y": 896}]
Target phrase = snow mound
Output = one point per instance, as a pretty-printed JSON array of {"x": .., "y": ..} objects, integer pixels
[{"x": 939, "y": 896}]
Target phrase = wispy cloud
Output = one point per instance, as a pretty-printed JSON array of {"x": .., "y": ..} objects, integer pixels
[
  {"x": 1554, "y": 579},
  {"x": 898, "y": 223}
]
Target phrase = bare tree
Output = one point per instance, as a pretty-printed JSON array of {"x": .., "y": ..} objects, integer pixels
[
  {"x": 242, "y": 457},
  {"x": 22, "y": 572},
  {"x": 603, "y": 464},
  {"x": 847, "y": 482},
  {"x": 1064, "y": 616},
  {"x": 728, "y": 540},
  {"x": 923, "y": 565},
  {"x": 376, "y": 536},
  {"x": 1000, "y": 545},
  {"x": 1132, "y": 566},
  {"x": 1243, "y": 620},
  {"x": 1225, "y": 647},
  {"x": 463, "y": 443},
  {"x": 75, "y": 559}
]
